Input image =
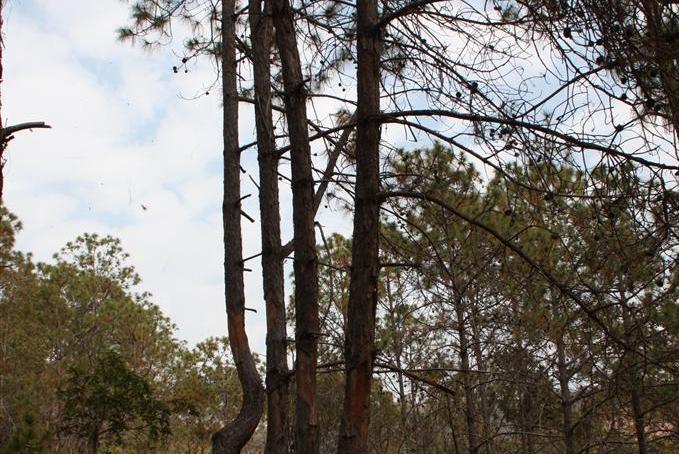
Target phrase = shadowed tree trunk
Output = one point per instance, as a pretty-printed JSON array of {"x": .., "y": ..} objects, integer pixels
[
  {"x": 232, "y": 437},
  {"x": 277, "y": 375},
  {"x": 360, "y": 336},
  {"x": 470, "y": 412},
  {"x": 631, "y": 374},
  {"x": 564, "y": 375},
  {"x": 526, "y": 413},
  {"x": 565, "y": 396},
  {"x": 484, "y": 400},
  {"x": 304, "y": 240},
  {"x": 93, "y": 439}
]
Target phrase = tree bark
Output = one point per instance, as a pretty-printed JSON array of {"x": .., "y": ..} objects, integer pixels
[
  {"x": 232, "y": 437},
  {"x": 630, "y": 372},
  {"x": 638, "y": 419},
  {"x": 360, "y": 336},
  {"x": 470, "y": 412},
  {"x": 277, "y": 375},
  {"x": 565, "y": 395},
  {"x": 565, "y": 392},
  {"x": 93, "y": 440},
  {"x": 304, "y": 240},
  {"x": 483, "y": 388}
]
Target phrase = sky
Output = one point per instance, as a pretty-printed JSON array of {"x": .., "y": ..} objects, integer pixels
[
  {"x": 134, "y": 152},
  {"x": 124, "y": 138}
]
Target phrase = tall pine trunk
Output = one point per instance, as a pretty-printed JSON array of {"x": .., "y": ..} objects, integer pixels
[
  {"x": 232, "y": 438},
  {"x": 360, "y": 335},
  {"x": 277, "y": 375},
  {"x": 304, "y": 240}
]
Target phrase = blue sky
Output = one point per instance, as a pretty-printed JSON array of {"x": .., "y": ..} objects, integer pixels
[{"x": 121, "y": 137}]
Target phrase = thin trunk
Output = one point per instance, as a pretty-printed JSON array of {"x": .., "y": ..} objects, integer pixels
[
  {"x": 451, "y": 424},
  {"x": 630, "y": 366},
  {"x": 360, "y": 340},
  {"x": 398, "y": 350},
  {"x": 93, "y": 440},
  {"x": 566, "y": 401},
  {"x": 521, "y": 378},
  {"x": 485, "y": 405},
  {"x": 277, "y": 374},
  {"x": 231, "y": 438},
  {"x": 470, "y": 413},
  {"x": 304, "y": 240},
  {"x": 638, "y": 419},
  {"x": 402, "y": 407},
  {"x": 526, "y": 404},
  {"x": 565, "y": 395}
]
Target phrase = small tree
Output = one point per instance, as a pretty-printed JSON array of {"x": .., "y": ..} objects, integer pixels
[{"x": 109, "y": 401}]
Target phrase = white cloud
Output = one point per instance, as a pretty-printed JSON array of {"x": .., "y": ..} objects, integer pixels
[{"x": 121, "y": 138}]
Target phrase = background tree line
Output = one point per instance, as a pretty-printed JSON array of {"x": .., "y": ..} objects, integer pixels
[{"x": 89, "y": 364}]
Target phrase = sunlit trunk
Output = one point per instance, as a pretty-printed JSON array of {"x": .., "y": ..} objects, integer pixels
[{"x": 360, "y": 337}]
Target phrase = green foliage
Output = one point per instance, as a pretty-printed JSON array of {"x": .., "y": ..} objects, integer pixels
[
  {"x": 109, "y": 400},
  {"x": 530, "y": 349},
  {"x": 87, "y": 359}
]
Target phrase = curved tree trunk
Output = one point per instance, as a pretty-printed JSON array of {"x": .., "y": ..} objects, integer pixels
[
  {"x": 277, "y": 375},
  {"x": 360, "y": 336},
  {"x": 304, "y": 240},
  {"x": 232, "y": 437}
]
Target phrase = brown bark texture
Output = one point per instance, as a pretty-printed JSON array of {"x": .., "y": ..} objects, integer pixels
[
  {"x": 467, "y": 382},
  {"x": 482, "y": 387},
  {"x": 565, "y": 396},
  {"x": 631, "y": 373},
  {"x": 277, "y": 374},
  {"x": 233, "y": 436},
  {"x": 360, "y": 336},
  {"x": 304, "y": 241}
]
